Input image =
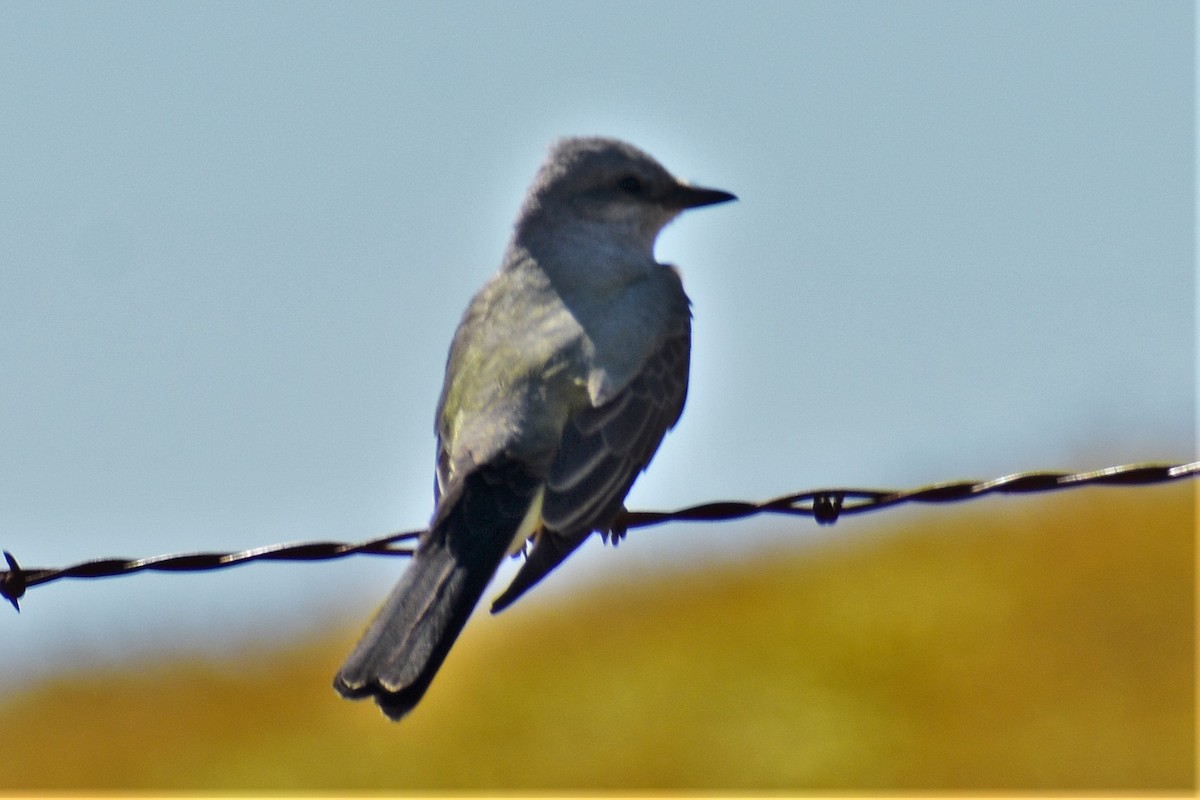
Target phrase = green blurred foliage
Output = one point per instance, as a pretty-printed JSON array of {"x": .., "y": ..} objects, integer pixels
[{"x": 1007, "y": 644}]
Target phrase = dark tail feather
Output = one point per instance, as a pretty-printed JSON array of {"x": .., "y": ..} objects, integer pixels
[{"x": 408, "y": 640}]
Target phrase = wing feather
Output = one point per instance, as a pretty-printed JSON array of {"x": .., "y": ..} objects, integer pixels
[{"x": 603, "y": 450}]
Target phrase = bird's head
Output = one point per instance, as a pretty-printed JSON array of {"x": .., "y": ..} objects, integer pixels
[{"x": 611, "y": 189}]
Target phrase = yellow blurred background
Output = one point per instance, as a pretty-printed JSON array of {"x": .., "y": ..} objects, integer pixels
[{"x": 1020, "y": 643}]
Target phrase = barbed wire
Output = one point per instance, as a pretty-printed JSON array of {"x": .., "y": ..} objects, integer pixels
[{"x": 825, "y": 506}]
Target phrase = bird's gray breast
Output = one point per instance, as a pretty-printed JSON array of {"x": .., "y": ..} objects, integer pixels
[{"x": 621, "y": 334}]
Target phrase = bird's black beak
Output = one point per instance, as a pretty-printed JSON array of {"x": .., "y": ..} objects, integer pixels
[{"x": 687, "y": 196}]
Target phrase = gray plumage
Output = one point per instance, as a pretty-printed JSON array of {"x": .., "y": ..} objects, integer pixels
[{"x": 566, "y": 371}]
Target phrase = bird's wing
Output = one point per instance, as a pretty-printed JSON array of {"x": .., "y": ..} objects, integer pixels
[{"x": 602, "y": 451}]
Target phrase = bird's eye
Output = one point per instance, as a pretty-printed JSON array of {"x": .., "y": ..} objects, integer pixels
[{"x": 630, "y": 184}]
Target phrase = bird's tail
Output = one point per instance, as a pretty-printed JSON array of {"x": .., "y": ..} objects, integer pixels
[{"x": 408, "y": 639}]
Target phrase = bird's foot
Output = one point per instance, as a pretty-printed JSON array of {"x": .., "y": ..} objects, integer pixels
[{"x": 615, "y": 532}]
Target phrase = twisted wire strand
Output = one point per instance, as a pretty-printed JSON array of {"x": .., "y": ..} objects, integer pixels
[{"x": 826, "y": 506}]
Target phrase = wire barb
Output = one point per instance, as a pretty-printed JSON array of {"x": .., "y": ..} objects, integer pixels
[{"x": 825, "y": 506}]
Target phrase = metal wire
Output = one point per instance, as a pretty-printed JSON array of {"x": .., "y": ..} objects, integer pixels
[{"x": 826, "y": 506}]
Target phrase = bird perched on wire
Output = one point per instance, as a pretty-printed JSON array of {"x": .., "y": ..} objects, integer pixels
[{"x": 565, "y": 372}]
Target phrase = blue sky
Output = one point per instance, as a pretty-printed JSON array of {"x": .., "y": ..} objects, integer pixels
[{"x": 236, "y": 240}]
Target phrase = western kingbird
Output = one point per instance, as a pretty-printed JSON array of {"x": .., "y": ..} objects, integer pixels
[{"x": 565, "y": 372}]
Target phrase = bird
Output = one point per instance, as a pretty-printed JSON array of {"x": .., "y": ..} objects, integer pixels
[{"x": 565, "y": 372}]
